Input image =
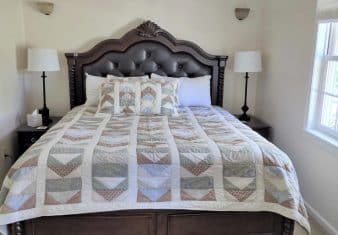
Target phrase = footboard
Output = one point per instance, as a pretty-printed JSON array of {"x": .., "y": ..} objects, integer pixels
[{"x": 150, "y": 222}]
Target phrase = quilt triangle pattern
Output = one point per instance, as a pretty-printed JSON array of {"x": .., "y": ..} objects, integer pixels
[
  {"x": 63, "y": 169},
  {"x": 68, "y": 197}
]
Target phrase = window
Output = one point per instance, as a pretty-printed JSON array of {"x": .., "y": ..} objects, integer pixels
[{"x": 323, "y": 116}]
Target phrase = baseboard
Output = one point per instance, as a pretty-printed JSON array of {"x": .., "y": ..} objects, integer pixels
[{"x": 320, "y": 220}]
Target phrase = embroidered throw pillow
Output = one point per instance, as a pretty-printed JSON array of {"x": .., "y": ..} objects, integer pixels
[
  {"x": 162, "y": 79},
  {"x": 128, "y": 97},
  {"x": 169, "y": 95},
  {"x": 108, "y": 98},
  {"x": 151, "y": 98}
]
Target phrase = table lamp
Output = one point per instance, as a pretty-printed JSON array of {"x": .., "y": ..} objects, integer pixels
[
  {"x": 43, "y": 60},
  {"x": 247, "y": 62}
]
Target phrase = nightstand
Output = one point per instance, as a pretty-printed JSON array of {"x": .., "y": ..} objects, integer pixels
[
  {"x": 257, "y": 125},
  {"x": 29, "y": 135}
]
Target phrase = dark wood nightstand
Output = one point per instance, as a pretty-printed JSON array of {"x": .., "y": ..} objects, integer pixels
[
  {"x": 257, "y": 125},
  {"x": 29, "y": 135}
]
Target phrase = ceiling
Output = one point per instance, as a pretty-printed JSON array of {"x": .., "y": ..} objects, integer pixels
[{"x": 326, "y": 4}]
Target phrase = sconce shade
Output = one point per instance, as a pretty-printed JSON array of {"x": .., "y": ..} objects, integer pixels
[
  {"x": 40, "y": 59},
  {"x": 242, "y": 13},
  {"x": 248, "y": 62},
  {"x": 46, "y": 7}
]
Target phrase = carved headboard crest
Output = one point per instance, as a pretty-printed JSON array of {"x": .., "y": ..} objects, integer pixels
[
  {"x": 144, "y": 50},
  {"x": 149, "y": 29}
]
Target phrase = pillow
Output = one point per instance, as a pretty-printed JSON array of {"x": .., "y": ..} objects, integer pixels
[
  {"x": 108, "y": 98},
  {"x": 137, "y": 78},
  {"x": 192, "y": 91},
  {"x": 128, "y": 97},
  {"x": 93, "y": 84},
  {"x": 195, "y": 91},
  {"x": 163, "y": 79},
  {"x": 151, "y": 97},
  {"x": 170, "y": 99},
  {"x": 135, "y": 97}
]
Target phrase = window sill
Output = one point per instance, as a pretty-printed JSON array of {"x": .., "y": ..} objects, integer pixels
[{"x": 328, "y": 140}]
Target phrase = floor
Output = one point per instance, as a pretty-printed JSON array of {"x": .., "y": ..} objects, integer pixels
[{"x": 316, "y": 229}]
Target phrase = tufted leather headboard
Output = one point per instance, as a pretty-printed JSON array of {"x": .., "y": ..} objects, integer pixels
[{"x": 144, "y": 50}]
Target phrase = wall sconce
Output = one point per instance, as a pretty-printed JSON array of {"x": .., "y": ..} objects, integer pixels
[
  {"x": 46, "y": 7},
  {"x": 242, "y": 13}
]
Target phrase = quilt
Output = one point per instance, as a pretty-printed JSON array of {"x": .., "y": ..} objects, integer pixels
[{"x": 203, "y": 158}]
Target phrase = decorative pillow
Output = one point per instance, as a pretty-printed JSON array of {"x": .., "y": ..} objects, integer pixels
[
  {"x": 191, "y": 91},
  {"x": 135, "y": 97},
  {"x": 108, "y": 98},
  {"x": 169, "y": 95},
  {"x": 128, "y": 97},
  {"x": 93, "y": 84},
  {"x": 151, "y": 97},
  {"x": 162, "y": 79}
]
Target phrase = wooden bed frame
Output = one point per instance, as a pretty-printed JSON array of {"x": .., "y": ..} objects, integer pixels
[{"x": 144, "y": 50}]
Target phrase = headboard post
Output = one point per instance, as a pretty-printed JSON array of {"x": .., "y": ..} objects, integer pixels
[
  {"x": 144, "y": 50},
  {"x": 220, "y": 86},
  {"x": 72, "y": 73}
]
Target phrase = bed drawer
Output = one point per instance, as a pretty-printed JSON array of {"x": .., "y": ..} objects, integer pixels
[
  {"x": 93, "y": 225},
  {"x": 223, "y": 224},
  {"x": 158, "y": 222}
]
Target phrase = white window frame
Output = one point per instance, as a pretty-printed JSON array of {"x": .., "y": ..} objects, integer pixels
[{"x": 324, "y": 55}]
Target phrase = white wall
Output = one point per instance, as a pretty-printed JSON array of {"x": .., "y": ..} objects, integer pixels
[
  {"x": 78, "y": 25},
  {"x": 11, "y": 84},
  {"x": 289, "y": 41}
]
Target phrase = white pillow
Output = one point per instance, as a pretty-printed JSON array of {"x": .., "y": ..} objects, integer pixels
[
  {"x": 138, "y": 78},
  {"x": 93, "y": 84},
  {"x": 192, "y": 91}
]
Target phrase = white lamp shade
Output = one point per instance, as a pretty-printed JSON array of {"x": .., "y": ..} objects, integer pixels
[
  {"x": 248, "y": 62},
  {"x": 40, "y": 59}
]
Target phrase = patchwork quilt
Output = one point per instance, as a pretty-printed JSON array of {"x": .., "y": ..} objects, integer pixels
[{"x": 201, "y": 159}]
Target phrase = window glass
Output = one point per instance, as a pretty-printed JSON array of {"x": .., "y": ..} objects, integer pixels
[
  {"x": 334, "y": 37},
  {"x": 331, "y": 84},
  {"x": 323, "y": 116},
  {"x": 329, "y": 113}
]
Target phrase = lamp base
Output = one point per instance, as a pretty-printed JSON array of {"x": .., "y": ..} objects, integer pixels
[
  {"x": 244, "y": 117},
  {"x": 45, "y": 116}
]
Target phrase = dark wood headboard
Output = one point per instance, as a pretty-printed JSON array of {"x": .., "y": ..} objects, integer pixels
[{"x": 144, "y": 50}]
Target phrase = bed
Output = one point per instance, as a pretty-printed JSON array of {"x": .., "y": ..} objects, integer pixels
[{"x": 248, "y": 186}]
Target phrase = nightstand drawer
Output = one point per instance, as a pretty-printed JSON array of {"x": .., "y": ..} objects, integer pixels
[
  {"x": 265, "y": 132},
  {"x": 26, "y": 139},
  {"x": 257, "y": 125},
  {"x": 29, "y": 135}
]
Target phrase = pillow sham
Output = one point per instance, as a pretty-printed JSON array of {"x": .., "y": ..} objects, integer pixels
[
  {"x": 93, "y": 84},
  {"x": 163, "y": 79},
  {"x": 136, "y": 97},
  {"x": 128, "y": 97},
  {"x": 191, "y": 91},
  {"x": 151, "y": 98},
  {"x": 170, "y": 100},
  {"x": 108, "y": 98}
]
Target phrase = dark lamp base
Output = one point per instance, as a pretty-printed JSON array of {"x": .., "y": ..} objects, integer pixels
[
  {"x": 45, "y": 116},
  {"x": 244, "y": 117}
]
